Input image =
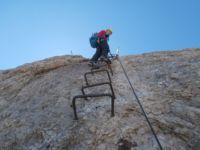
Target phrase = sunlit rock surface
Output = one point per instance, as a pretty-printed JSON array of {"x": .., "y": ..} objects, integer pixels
[{"x": 36, "y": 113}]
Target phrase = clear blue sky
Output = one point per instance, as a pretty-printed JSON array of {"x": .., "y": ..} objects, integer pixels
[{"x": 31, "y": 30}]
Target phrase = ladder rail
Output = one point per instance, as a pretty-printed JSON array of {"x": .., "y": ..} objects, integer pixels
[
  {"x": 94, "y": 72},
  {"x": 92, "y": 95},
  {"x": 99, "y": 84},
  {"x": 85, "y": 96},
  {"x": 108, "y": 64}
]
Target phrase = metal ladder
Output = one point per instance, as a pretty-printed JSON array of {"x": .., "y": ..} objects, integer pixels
[{"x": 84, "y": 96}]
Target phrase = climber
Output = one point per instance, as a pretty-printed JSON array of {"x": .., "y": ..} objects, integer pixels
[{"x": 102, "y": 47}]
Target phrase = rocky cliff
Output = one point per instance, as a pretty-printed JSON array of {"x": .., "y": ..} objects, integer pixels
[{"x": 36, "y": 113}]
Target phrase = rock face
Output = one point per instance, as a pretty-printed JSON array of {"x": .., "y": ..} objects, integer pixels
[{"x": 36, "y": 113}]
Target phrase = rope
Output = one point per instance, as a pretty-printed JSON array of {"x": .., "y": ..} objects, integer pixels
[{"x": 141, "y": 106}]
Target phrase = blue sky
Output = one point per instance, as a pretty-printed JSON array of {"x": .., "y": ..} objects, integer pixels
[{"x": 31, "y": 30}]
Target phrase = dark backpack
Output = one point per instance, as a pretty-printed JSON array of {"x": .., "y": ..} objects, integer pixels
[{"x": 93, "y": 40}]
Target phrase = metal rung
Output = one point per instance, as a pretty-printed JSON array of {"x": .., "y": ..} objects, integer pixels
[
  {"x": 94, "y": 72},
  {"x": 85, "y": 96},
  {"x": 99, "y": 84},
  {"x": 107, "y": 64},
  {"x": 92, "y": 95}
]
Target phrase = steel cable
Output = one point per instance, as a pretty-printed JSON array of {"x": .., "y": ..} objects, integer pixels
[{"x": 144, "y": 113}]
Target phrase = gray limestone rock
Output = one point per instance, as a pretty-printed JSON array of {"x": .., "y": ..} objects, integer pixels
[{"x": 36, "y": 112}]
